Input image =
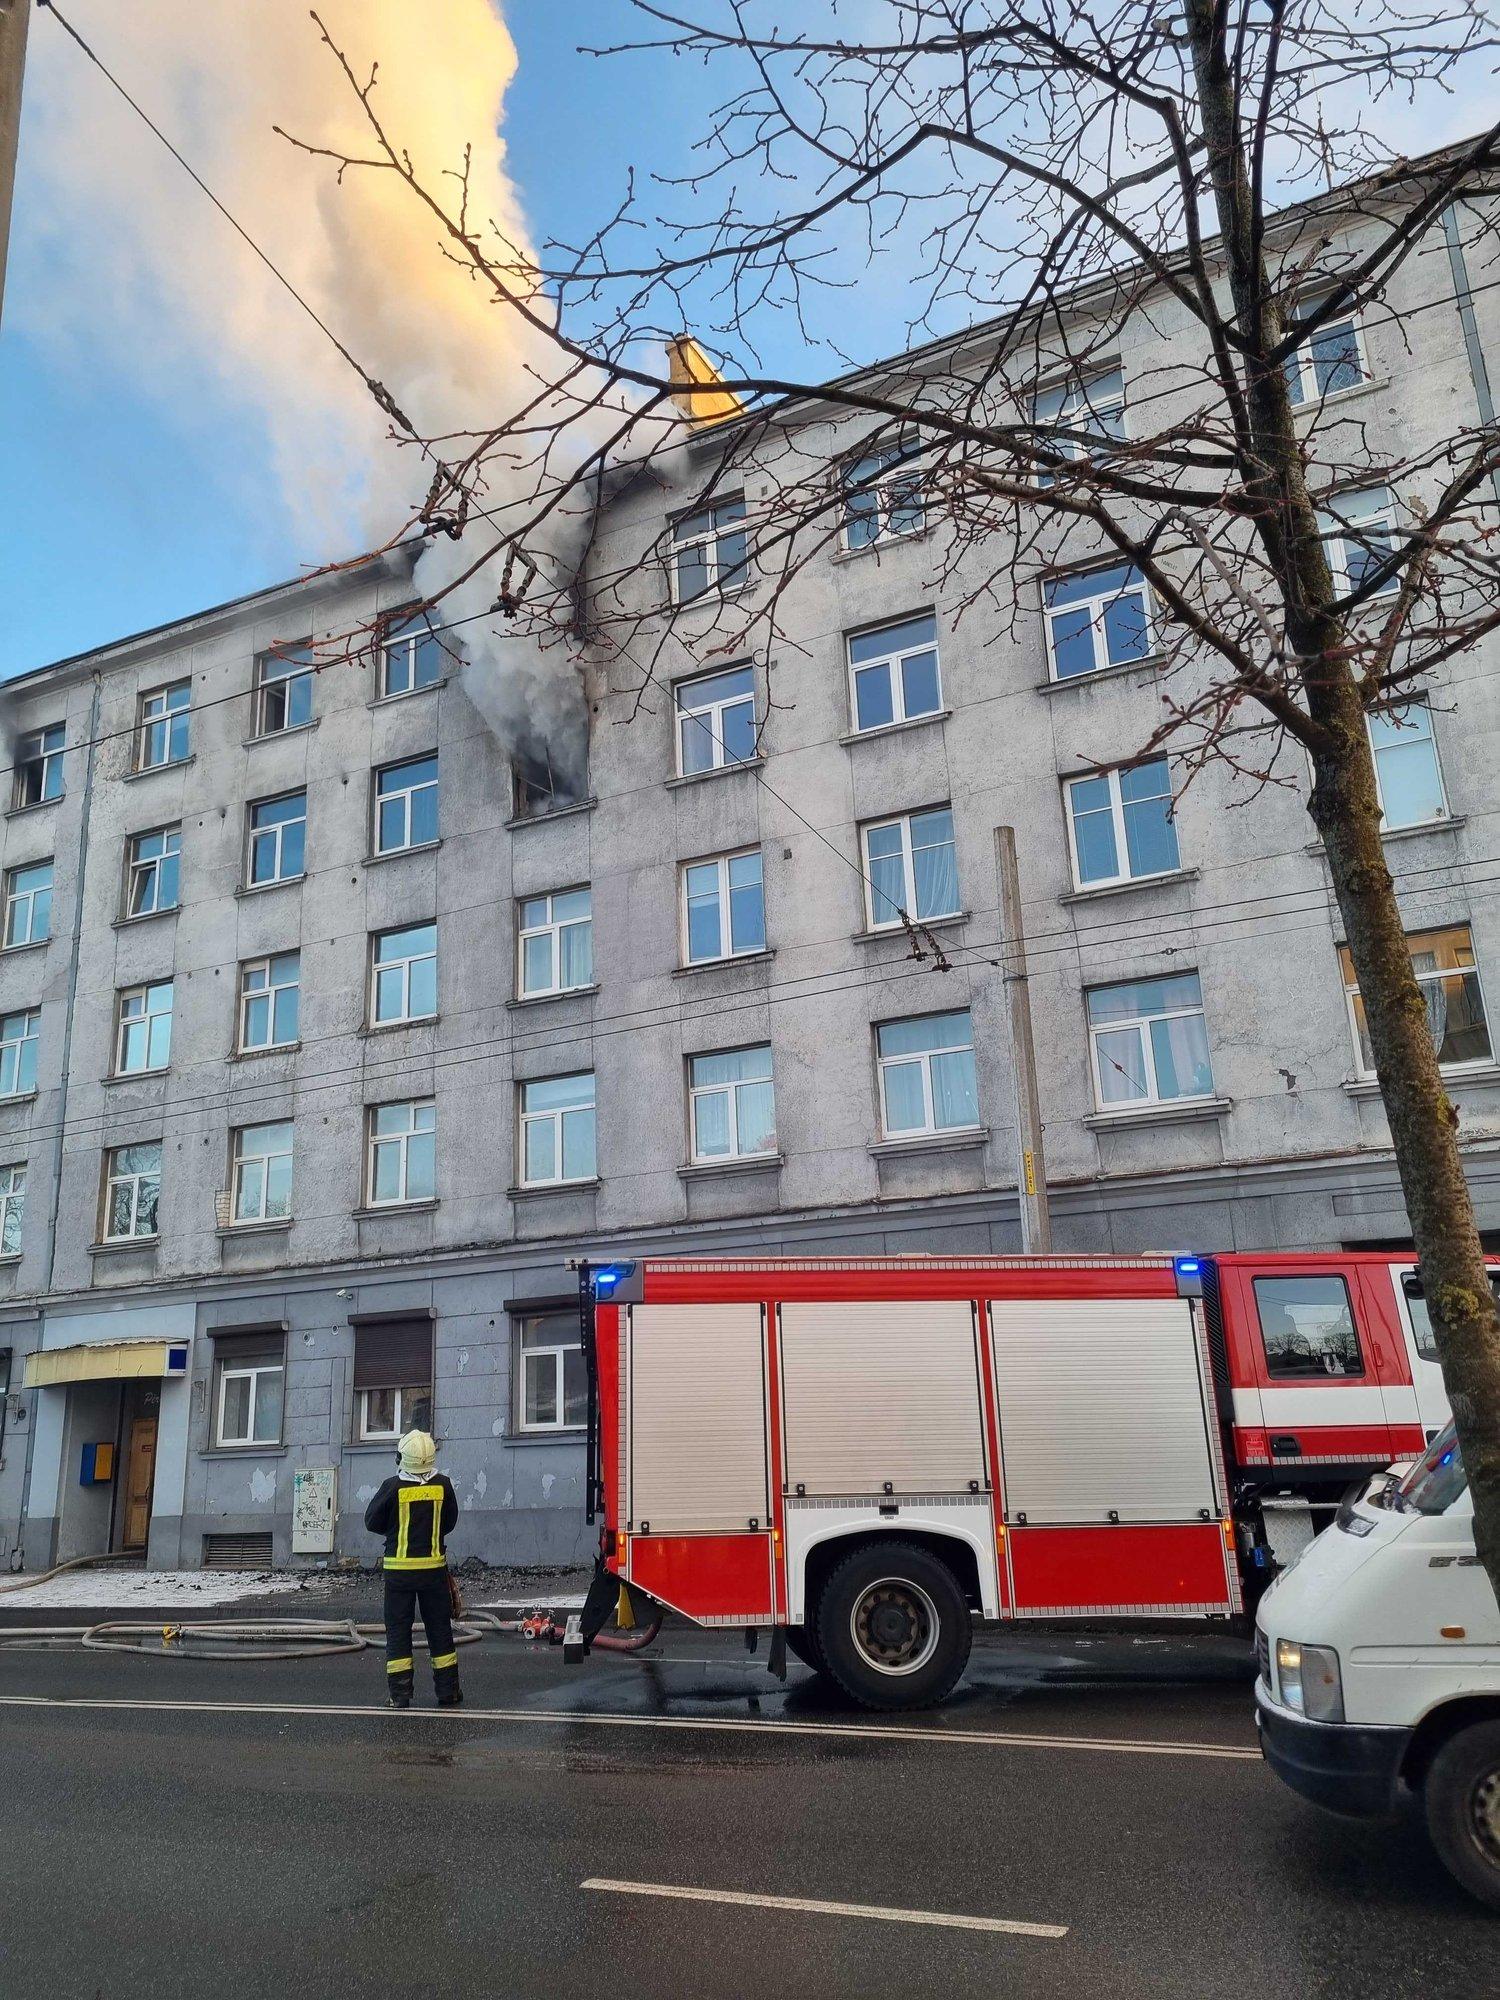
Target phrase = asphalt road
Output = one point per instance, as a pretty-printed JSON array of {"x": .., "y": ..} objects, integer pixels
[{"x": 179, "y": 1829}]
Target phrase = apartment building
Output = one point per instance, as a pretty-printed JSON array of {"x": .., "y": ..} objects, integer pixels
[{"x": 327, "y": 1037}]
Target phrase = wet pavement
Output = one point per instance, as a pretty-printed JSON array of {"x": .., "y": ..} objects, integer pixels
[{"x": 1095, "y": 1802}]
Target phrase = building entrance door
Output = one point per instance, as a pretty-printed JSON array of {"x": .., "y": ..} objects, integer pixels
[{"x": 140, "y": 1477}]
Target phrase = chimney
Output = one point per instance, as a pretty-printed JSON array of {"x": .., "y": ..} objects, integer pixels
[{"x": 697, "y": 386}]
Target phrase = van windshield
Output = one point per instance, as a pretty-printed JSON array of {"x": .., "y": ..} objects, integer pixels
[{"x": 1436, "y": 1480}]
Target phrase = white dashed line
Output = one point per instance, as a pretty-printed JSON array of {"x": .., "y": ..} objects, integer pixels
[{"x": 812, "y": 1906}]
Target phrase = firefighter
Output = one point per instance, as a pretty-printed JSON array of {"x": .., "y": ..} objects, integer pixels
[{"x": 415, "y": 1510}]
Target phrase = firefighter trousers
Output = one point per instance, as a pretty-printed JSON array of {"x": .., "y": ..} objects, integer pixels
[{"x": 407, "y": 1592}]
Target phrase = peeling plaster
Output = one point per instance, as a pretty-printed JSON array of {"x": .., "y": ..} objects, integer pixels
[
  {"x": 365, "y": 1494},
  {"x": 463, "y": 1359},
  {"x": 262, "y": 1486},
  {"x": 549, "y": 1480},
  {"x": 497, "y": 1428},
  {"x": 481, "y": 1484}
]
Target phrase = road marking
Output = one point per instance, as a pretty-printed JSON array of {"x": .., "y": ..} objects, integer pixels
[
  {"x": 593, "y": 1719},
  {"x": 813, "y": 1906}
]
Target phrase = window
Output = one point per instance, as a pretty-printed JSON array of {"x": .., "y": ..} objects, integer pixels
[
  {"x": 132, "y": 1190},
  {"x": 1121, "y": 824},
  {"x": 262, "y": 1190},
  {"x": 926, "y": 1069},
  {"x": 28, "y": 905},
  {"x": 392, "y": 1377},
  {"x": 270, "y": 1001},
  {"x": 152, "y": 867},
  {"x": 540, "y": 787},
  {"x": 893, "y": 673},
  {"x": 163, "y": 734},
  {"x": 39, "y": 767},
  {"x": 403, "y": 975},
  {"x": 12, "y": 1209},
  {"x": 554, "y": 1381},
  {"x": 406, "y": 805},
  {"x": 1359, "y": 535},
  {"x": 283, "y": 690},
  {"x": 1421, "y": 1318},
  {"x": 1093, "y": 410},
  {"x": 723, "y": 907},
  {"x": 556, "y": 943},
  {"x": 1406, "y": 766},
  {"x": 411, "y": 654},
  {"x": 715, "y": 720},
  {"x": 1149, "y": 1041},
  {"x": 731, "y": 1105},
  {"x": 882, "y": 495},
  {"x": 1096, "y": 618},
  {"x": 143, "y": 1029},
  {"x": 249, "y": 1392},
  {"x": 278, "y": 838},
  {"x": 709, "y": 550},
  {"x": 911, "y": 869},
  {"x": 1449, "y": 984},
  {"x": 19, "y": 1035},
  {"x": 1329, "y": 361},
  {"x": 403, "y": 1152},
  {"x": 557, "y": 1130},
  {"x": 1307, "y": 1326}
]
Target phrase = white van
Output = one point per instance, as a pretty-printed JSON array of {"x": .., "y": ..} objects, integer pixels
[{"x": 1379, "y": 1665}]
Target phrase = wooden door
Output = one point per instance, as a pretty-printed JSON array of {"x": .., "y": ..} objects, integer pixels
[{"x": 140, "y": 1476}]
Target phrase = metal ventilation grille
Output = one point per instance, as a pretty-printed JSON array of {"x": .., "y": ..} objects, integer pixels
[{"x": 236, "y": 1551}]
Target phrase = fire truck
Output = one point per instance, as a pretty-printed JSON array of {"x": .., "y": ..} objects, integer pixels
[{"x": 862, "y": 1456}]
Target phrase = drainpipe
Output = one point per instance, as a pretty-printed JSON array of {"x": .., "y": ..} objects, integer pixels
[
  {"x": 1464, "y": 297},
  {"x": 67, "y": 1044}
]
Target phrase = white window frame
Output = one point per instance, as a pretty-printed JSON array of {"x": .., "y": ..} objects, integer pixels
[
  {"x": 1097, "y": 604},
  {"x": 726, "y": 908},
  {"x": 147, "y": 1019},
  {"x": 552, "y": 930},
  {"x": 47, "y": 757},
  {"x": 269, "y": 993},
  {"x": 16, "y": 898},
  {"x": 290, "y": 668},
  {"x": 12, "y": 1203},
  {"x": 135, "y": 1181},
  {"x": 250, "y": 1371},
  {"x": 243, "y": 1155},
  {"x": 929, "y": 1128},
  {"x": 526, "y": 1119},
  {"x": 887, "y": 476},
  {"x": 908, "y": 871},
  {"x": 277, "y": 829},
  {"x": 893, "y": 662},
  {"x": 411, "y": 642},
  {"x": 409, "y": 1398},
  {"x": 31, "y": 1022},
  {"x": 1142, "y": 1024},
  {"x": 708, "y": 539},
  {"x": 374, "y": 1141},
  {"x": 1077, "y": 398},
  {"x": 1301, "y": 359},
  {"x": 1351, "y": 994},
  {"x": 709, "y": 720},
  {"x": 405, "y": 795},
  {"x": 557, "y": 1352},
  {"x": 159, "y": 712},
  {"x": 1444, "y": 812},
  {"x": 137, "y": 868},
  {"x": 1337, "y": 530},
  {"x": 1117, "y": 821},
  {"x": 402, "y": 963},
  {"x": 730, "y": 1091}
]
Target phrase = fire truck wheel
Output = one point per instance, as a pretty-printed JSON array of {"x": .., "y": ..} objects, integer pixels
[
  {"x": 803, "y": 1646},
  {"x": 892, "y": 1626},
  {"x": 1463, "y": 1809}
]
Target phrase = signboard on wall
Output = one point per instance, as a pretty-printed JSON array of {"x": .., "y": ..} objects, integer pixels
[{"x": 314, "y": 1509}]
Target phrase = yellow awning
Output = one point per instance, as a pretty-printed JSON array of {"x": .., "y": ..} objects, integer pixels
[{"x": 105, "y": 1361}]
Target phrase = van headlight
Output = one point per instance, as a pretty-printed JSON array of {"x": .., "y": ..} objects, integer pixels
[{"x": 1309, "y": 1681}]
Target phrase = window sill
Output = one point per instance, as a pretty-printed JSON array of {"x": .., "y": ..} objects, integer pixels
[
  {"x": 243, "y": 889},
  {"x": 31, "y": 944},
  {"x": 716, "y": 964},
  {"x": 552, "y": 1187},
  {"x": 1314, "y": 405},
  {"x": 895, "y": 728},
  {"x": 545, "y": 819},
  {"x": 146, "y": 917},
  {"x": 880, "y": 543},
  {"x": 37, "y": 805},
  {"x": 1190, "y": 1112},
  {"x": 133, "y": 1076},
  {"x": 918, "y": 923},
  {"x": 374, "y": 1211},
  {"x": 1480, "y": 1077},
  {"x": 749, "y": 1163},
  {"x": 407, "y": 694},
  {"x": 244, "y": 1451},
  {"x": 112, "y": 1249},
  {"x": 548, "y": 1434},
  {"x": 717, "y": 771},
  {"x": 1448, "y": 822},
  {"x": 271, "y": 1049},
  {"x": 373, "y": 1028},
  {"x": 713, "y": 597},
  {"x": 156, "y": 770},
  {"x": 562, "y": 993},
  {"x": 1147, "y": 666},
  {"x": 10, "y": 1260},
  {"x": 400, "y": 853},
  {"x": 18, "y": 1097},
  {"x": 271, "y": 1227},
  {"x": 961, "y": 1141},
  {"x": 280, "y": 735},
  {"x": 1166, "y": 879}
]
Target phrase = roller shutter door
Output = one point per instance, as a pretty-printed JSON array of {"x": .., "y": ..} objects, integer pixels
[{"x": 697, "y": 1418}]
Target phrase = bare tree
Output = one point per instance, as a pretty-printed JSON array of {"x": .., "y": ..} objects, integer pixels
[{"x": 1044, "y": 178}]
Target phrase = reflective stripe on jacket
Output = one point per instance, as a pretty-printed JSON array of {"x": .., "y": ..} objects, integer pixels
[{"x": 415, "y": 1521}]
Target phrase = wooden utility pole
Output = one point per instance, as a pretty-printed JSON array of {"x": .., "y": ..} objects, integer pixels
[
  {"x": 1036, "y": 1216},
  {"x": 14, "y": 17}
]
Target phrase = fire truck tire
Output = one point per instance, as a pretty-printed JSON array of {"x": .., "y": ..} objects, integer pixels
[
  {"x": 803, "y": 1646},
  {"x": 1462, "y": 1797},
  {"x": 893, "y": 1626}
]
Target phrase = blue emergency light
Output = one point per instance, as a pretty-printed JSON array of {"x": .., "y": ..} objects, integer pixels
[
  {"x": 608, "y": 1280},
  {"x": 1189, "y": 1272},
  {"x": 1188, "y": 1267}
]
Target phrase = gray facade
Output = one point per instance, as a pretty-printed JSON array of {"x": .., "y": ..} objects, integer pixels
[{"x": 1286, "y": 1145}]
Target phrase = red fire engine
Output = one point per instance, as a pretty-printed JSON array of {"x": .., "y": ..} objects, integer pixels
[{"x": 862, "y": 1455}]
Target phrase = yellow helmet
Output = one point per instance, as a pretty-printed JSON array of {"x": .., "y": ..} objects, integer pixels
[{"x": 418, "y": 1454}]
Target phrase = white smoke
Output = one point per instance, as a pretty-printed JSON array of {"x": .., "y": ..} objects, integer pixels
[{"x": 128, "y": 238}]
